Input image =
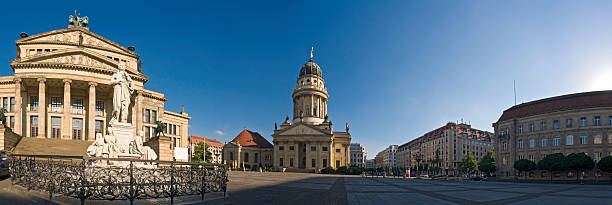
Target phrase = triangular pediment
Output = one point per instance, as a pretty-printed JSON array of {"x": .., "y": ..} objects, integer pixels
[
  {"x": 75, "y": 57},
  {"x": 76, "y": 36},
  {"x": 301, "y": 129}
]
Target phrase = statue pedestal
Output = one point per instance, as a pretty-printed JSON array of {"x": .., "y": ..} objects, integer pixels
[{"x": 124, "y": 132}]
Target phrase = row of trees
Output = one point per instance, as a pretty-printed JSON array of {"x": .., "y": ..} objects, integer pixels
[
  {"x": 577, "y": 162},
  {"x": 486, "y": 165}
]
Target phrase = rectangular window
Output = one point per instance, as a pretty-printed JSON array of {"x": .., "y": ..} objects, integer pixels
[
  {"x": 291, "y": 148},
  {"x": 313, "y": 163},
  {"x": 12, "y": 104},
  {"x": 77, "y": 106},
  {"x": 531, "y": 127},
  {"x": 280, "y": 162},
  {"x": 324, "y": 162},
  {"x": 324, "y": 149},
  {"x": 520, "y": 144},
  {"x": 5, "y": 103},
  {"x": 556, "y": 141},
  {"x": 596, "y": 121},
  {"x": 597, "y": 139},
  {"x": 337, "y": 163},
  {"x": 597, "y": 156},
  {"x": 313, "y": 148},
  {"x": 583, "y": 122},
  {"x": 56, "y": 104},
  {"x": 520, "y": 129},
  {"x": 147, "y": 115},
  {"x": 584, "y": 139},
  {"x": 543, "y": 126},
  {"x": 56, "y": 127},
  {"x": 99, "y": 108},
  {"x": 281, "y": 148},
  {"x": 174, "y": 129},
  {"x": 12, "y": 122},
  {"x": 337, "y": 150},
  {"x": 77, "y": 128},
  {"x": 99, "y": 127},
  {"x": 556, "y": 124},
  {"x": 255, "y": 160},
  {"x": 153, "y": 116},
  {"x": 246, "y": 157},
  {"x": 543, "y": 142},
  {"x": 290, "y": 162},
  {"x": 531, "y": 143},
  {"x": 33, "y": 103},
  {"x": 147, "y": 133},
  {"x": 569, "y": 140},
  {"x": 568, "y": 123},
  {"x": 610, "y": 120},
  {"x": 33, "y": 126}
]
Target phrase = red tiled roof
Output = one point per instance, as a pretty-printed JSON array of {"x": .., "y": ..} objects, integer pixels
[
  {"x": 252, "y": 139},
  {"x": 559, "y": 103},
  {"x": 211, "y": 142}
]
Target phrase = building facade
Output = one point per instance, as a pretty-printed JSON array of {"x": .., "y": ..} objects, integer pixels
[
  {"x": 214, "y": 147},
  {"x": 249, "y": 150},
  {"x": 574, "y": 123},
  {"x": 386, "y": 158},
  {"x": 403, "y": 156},
  {"x": 309, "y": 143},
  {"x": 369, "y": 163},
  {"x": 358, "y": 155},
  {"x": 61, "y": 88}
]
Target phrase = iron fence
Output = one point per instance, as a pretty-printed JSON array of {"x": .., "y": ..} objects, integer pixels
[{"x": 76, "y": 176}]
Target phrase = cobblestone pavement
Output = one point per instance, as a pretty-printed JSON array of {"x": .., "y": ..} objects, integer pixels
[{"x": 301, "y": 188}]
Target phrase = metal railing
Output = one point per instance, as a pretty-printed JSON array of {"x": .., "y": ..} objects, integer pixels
[{"x": 75, "y": 176}]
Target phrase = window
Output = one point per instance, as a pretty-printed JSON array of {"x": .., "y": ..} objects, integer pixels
[
  {"x": 174, "y": 129},
  {"x": 520, "y": 144},
  {"x": 324, "y": 149},
  {"x": 291, "y": 162},
  {"x": 291, "y": 148},
  {"x": 569, "y": 140},
  {"x": 543, "y": 142},
  {"x": 281, "y": 148},
  {"x": 543, "y": 126},
  {"x": 33, "y": 126},
  {"x": 507, "y": 132},
  {"x": 531, "y": 127},
  {"x": 610, "y": 120},
  {"x": 153, "y": 116},
  {"x": 337, "y": 163},
  {"x": 147, "y": 115},
  {"x": 99, "y": 127},
  {"x": 246, "y": 157},
  {"x": 231, "y": 156},
  {"x": 520, "y": 129},
  {"x": 313, "y": 148},
  {"x": 33, "y": 103},
  {"x": 584, "y": 139},
  {"x": 596, "y": 121},
  {"x": 597, "y": 139},
  {"x": 147, "y": 133},
  {"x": 77, "y": 106},
  {"x": 531, "y": 143},
  {"x": 324, "y": 162},
  {"x": 583, "y": 122},
  {"x": 56, "y": 125},
  {"x": 77, "y": 128},
  {"x": 280, "y": 162},
  {"x": 56, "y": 104},
  {"x": 556, "y": 141},
  {"x": 5, "y": 103},
  {"x": 99, "y": 108},
  {"x": 568, "y": 123},
  {"x": 597, "y": 156},
  {"x": 337, "y": 150},
  {"x": 12, "y": 104},
  {"x": 255, "y": 160},
  {"x": 556, "y": 124},
  {"x": 313, "y": 163}
]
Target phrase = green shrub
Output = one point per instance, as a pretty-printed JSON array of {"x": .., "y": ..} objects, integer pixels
[
  {"x": 342, "y": 170},
  {"x": 355, "y": 171},
  {"x": 328, "y": 170}
]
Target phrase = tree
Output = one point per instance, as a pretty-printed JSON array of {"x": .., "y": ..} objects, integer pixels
[
  {"x": 605, "y": 164},
  {"x": 3, "y": 116},
  {"x": 579, "y": 162},
  {"x": 487, "y": 163},
  {"x": 468, "y": 164},
  {"x": 201, "y": 153},
  {"x": 552, "y": 163},
  {"x": 524, "y": 165},
  {"x": 435, "y": 164},
  {"x": 161, "y": 127}
]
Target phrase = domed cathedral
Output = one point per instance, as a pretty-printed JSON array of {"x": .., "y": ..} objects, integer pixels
[
  {"x": 308, "y": 143},
  {"x": 61, "y": 90}
]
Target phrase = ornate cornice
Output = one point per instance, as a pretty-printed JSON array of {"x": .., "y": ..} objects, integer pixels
[
  {"x": 149, "y": 95},
  {"x": 65, "y": 66}
]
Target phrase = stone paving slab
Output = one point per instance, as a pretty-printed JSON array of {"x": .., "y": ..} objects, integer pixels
[
  {"x": 479, "y": 195},
  {"x": 392, "y": 198},
  {"x": 556, "y": 200}
]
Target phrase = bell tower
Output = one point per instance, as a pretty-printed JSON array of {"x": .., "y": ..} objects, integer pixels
[{"x": 310, "y": 96}]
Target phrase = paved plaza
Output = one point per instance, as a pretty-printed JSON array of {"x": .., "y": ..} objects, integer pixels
[{"x": 301, "y": 188}]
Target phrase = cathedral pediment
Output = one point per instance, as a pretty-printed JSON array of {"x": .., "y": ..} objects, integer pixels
[
  {"x": 302, "y": 129},
  {"x": 76, "y": 36}
]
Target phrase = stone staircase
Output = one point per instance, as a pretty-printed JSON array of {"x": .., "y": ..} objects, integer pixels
[{"x": 48, "y": 146}]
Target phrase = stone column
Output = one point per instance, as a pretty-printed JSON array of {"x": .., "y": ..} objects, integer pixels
[
  {"x": 332, "y": 162},
  {"x": 67, "y": 112},
  {"x": 42, "y": 107},
  {"x": 17, "y": 129},
  {"x": 318, "y": 155},
  {"x": 346, "y": 155},
  {"x": 308, "y": 159},
  {"x": 91, "y": 112},
  {"x": 296, "y": 158},
  {"x": 275, "y": 155}
]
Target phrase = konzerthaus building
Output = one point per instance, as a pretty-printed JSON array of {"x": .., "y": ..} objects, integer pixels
[
  {"x": 573, "y": 123},
  {"x": 61, "y": 88}
]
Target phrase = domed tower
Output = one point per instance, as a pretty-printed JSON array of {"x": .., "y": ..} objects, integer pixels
[{"x": 310, "y": 96}]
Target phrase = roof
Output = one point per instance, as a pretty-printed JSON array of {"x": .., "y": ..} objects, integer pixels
[
  {"x": 248, "y": 138},
  {"x": 205, "y": 140},
  {"x": 559, "y": 103}
]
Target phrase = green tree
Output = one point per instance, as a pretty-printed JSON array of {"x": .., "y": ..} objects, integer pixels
[
  {"x": 487, "y": 163},
  {"x": 201, "y": 153},
  {"x": 552, "y": 163},
  {"x": 579, "y": 162},
  {"x": 468, "y": 164},
  {"x": 161, "y": 127},
  {"x": 605, "y": 164},
  {"x": 524, "y": 165}
]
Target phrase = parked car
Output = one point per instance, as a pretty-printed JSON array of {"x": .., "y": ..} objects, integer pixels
[
  {"x": 424, "y": 176},
  {"x": 479, "y": 178}
]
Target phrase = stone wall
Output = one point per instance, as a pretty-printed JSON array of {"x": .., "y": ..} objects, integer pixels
[{"x": 8, "y": 139}]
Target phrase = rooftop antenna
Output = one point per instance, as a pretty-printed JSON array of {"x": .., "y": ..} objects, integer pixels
[{"x": 515, "y": 92}]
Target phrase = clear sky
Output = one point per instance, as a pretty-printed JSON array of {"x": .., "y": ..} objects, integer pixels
[{"x": 394, "y": 70}]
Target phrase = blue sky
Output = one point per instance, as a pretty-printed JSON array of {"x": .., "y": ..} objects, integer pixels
[{"x": 394, "y": 69}]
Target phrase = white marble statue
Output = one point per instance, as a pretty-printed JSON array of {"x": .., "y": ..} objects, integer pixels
[
  {"x": 136, "y": 147},
  {"x": 123, "y": 87},
  {"x": 110, "y": 149},
  {"x": 95, "y": 149}
]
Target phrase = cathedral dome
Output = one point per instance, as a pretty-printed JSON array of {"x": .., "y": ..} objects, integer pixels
[{"x": 310, "y": 68}]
